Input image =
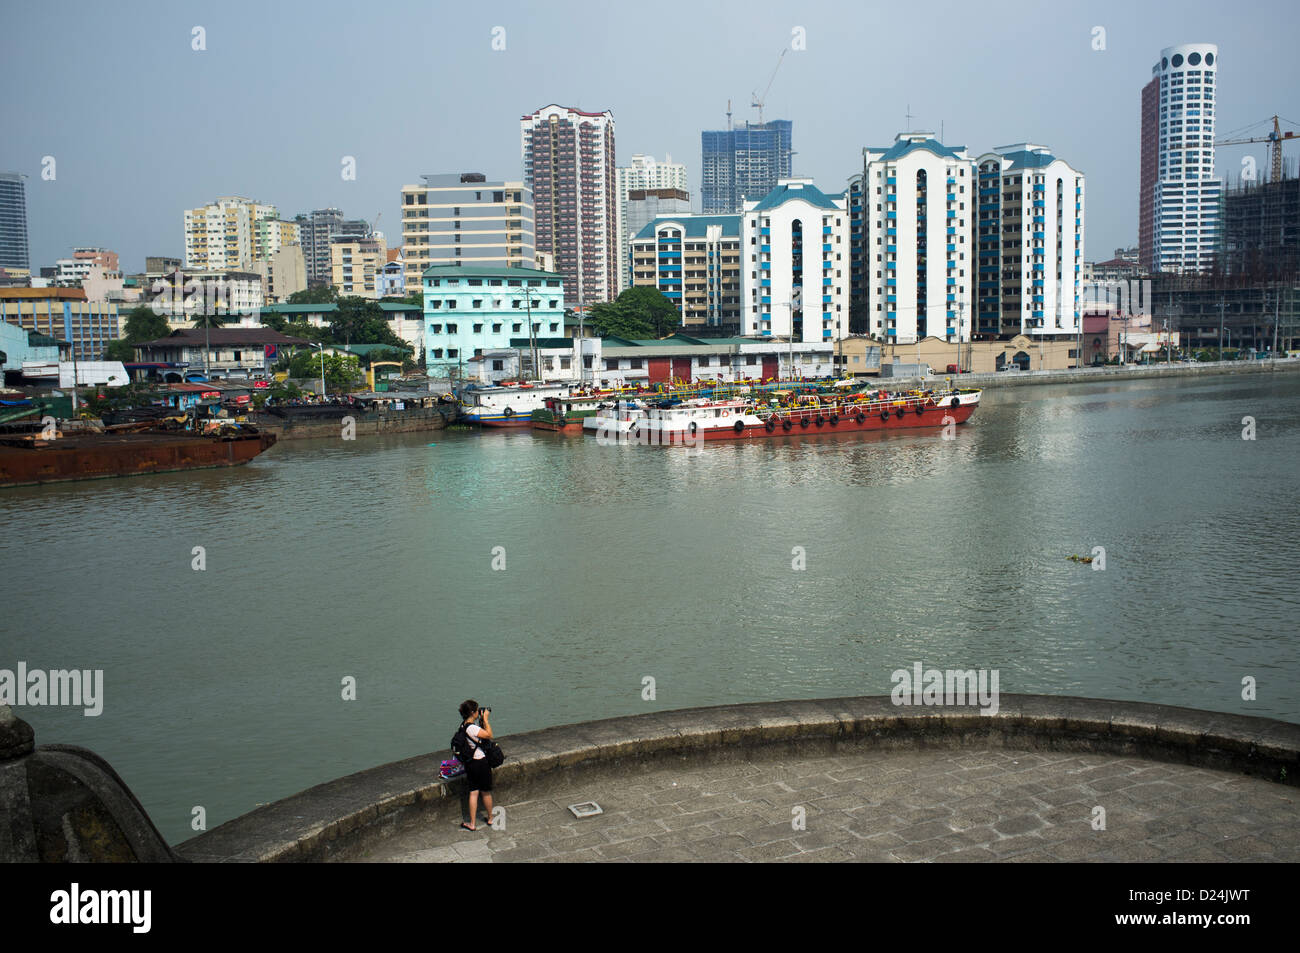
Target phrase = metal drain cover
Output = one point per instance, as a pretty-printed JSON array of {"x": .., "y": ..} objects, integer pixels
[{"x": 585, "y": 809}]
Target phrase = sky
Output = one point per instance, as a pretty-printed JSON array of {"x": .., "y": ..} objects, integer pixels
[{"x": 141, "y": 125}]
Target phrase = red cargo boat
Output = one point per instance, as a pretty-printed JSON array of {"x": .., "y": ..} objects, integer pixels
[{"x": 742, "y": 419}]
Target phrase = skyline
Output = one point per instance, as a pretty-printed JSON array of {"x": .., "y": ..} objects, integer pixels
[{"x": 391, "y": 107}]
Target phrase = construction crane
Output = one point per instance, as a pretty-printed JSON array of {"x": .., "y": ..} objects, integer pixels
[
  {"x": 1274, "y": 139},
  {"x": 374, "y": 226},
  {"x": 759, "y": 101}
]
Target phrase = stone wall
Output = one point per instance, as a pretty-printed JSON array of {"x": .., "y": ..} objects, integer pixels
[{"x": 337, "y": 819}]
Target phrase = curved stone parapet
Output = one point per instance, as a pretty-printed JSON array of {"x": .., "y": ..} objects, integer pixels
[{"x": 338, "y": 818}]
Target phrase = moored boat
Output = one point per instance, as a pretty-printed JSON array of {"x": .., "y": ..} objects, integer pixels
[
  {"x": 800, "y": 415},
  {"x": 31, "y": 459}
]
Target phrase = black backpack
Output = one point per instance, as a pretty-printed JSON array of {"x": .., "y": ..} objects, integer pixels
[{"x": 462, "y": 746}]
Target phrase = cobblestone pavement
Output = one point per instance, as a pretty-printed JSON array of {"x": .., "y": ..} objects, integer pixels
[{"x": 929, "y": 805}]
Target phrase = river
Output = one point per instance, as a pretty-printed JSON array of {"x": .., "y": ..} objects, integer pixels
[{"x": 749, "y": 571}]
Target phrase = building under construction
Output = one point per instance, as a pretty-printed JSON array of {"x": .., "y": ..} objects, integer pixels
[{"x": 1251, "y": 297}]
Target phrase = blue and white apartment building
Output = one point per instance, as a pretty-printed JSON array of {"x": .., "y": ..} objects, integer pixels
[
  {"x": 918, "y": 199},
  {"x": 1029, "y": 244},
  {"x": 796, "y": 263},
  {"x": 469, "y": 310}
]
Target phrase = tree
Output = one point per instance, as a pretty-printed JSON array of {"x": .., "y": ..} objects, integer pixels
[
  {"x": 144, "y": 324},
  {"x": 327, "y": 295},
  {"x": 653, "y": 308},
  {"x": 341, "y": 371},
  {"x": 611, "y": 319},
  {"x": 119, "y": 350},
  {"x": 359, "y": 321}
]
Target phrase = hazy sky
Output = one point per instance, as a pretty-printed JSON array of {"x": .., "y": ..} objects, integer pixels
[{"x": 142, "y": 126}]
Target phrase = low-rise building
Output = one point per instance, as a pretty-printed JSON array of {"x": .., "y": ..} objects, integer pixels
[
  {"x": 19, "y": 346},
  {"x": 63, "y": 313},
  {"x": 469, "y": 309},
  {"x": 231, "y": 352}
]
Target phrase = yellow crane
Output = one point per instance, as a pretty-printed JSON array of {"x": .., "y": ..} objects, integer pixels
[{"x": 1274, "y": 139}]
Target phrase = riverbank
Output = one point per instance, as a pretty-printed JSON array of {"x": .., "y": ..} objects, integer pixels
[{"x": 1105, "y": 374}]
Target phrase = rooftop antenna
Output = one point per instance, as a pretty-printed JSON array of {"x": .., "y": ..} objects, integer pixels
[
  {"x": 909, "y": 117},
  {"x": 728, "y": 115}
]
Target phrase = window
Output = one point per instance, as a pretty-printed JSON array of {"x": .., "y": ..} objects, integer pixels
[
  {"x": 453, "y": 352},
  {"x": 478, "y": 329},
  {"x": 478, "y": 302},
  {"x": 496, "y": 329},
  {"x": 516, "y": 302},
  {"x": 554, "y": 326},
  {"x": 437, "y": 352},
  {"x": 610, "y": 364},
  {"x": 451, "y": 304},
  {"x": 436, "y": 328},
  {"x": 515, "y": 327},
  {"x": 498, "y": 365},
  {"x": 451, "y": 329}
]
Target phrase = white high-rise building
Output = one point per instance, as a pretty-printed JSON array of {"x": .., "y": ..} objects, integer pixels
[
  {"x": 794, "y": 246},
  {"x": 645, "y": 173},
  {"x": 918, "y": 199},
  {"x": 1179, "y": 199},
  {"x": 224, "y": 235},
  {"x": 1029, "y": 243}
]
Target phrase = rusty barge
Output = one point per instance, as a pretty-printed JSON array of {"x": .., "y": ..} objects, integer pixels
[{"x": 27, "y": 459}]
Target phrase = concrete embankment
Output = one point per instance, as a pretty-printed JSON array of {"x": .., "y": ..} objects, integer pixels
[
  {"x": 296, "y": 427},
  {"x": 349, "y": 817},
  {"x": 1093, "y": 375}
]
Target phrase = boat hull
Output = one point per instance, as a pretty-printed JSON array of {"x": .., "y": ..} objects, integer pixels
[
  {"x": 804, "y": 424},
  {"x": 100, "y": 456}
]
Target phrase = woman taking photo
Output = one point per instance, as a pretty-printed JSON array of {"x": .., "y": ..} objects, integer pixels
[{"x": 478, "y": 774}]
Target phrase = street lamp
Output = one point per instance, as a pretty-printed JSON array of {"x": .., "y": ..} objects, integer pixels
[{"x": 321, "y": 347}]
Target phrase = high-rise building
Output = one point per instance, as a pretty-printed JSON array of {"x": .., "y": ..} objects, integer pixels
[
  {"x": 795, "y": 242},
  {"x": 1029, "y": 243},
  {"x": 1179, "y": 198},
  {"x": 569, "y": 165},
  {"x": 224, "y": 234},
  {"x": 317, "y": 229},
  {"x": 694, "y": 261},
  {"x": 461, "y": 218},
  {"x": 272, "y": 234},
  {"x": 645, "y": 173},
  {"x": 13, "y": 222},
  {"x": 919, "y": 205},
  {"x": 743, "y": 164}
]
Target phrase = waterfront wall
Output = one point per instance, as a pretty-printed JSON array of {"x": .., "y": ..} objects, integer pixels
[
  {"x": 1104, "y": 374},
  {"x": 340, "y": 819},
  {"x": 378, "y": 422}
]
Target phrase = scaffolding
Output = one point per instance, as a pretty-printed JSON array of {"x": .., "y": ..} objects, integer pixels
[{"x": 1250, "y": 299}]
